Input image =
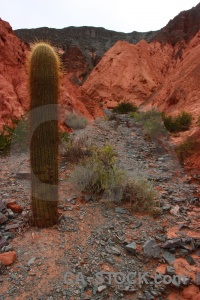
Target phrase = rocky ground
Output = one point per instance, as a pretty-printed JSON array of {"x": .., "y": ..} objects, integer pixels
[{"x": 97, "y": 236}]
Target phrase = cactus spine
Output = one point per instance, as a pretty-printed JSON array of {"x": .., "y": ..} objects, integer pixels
[{"x": 44, "y": 90}]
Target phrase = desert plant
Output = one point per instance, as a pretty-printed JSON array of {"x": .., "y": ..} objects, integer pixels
[
  {"x": 187, "y": 148},
  {"x": 75, "y": 122},
  {"x": 125, "y": 107},
  {"x": 152, "y": 122},
  {"x": 181, "y": 122},
  {"x": 141, "y": 195},
  {"x": 20, "y": 138},
  {"x": 44, "y": 67},
  {"x": 98, "y": 174},
  {"x": 64, "y": 136},
  {"x": 76, "y": 150},
  {"x": 6, "y": 137}
]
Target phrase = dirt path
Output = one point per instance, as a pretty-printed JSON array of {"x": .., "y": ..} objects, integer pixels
[{"x": 92, "y": 236}]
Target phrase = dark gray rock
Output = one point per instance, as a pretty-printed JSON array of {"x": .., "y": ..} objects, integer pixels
[
  {"x": 197, "y": 279},
  {"x": 151, "y": 249},
  {"x": 172, "y": 243},
  {"x": 190, "y": 260},
  {"x": 12, "y": 226},
  {"x": 131, "y": 247},
  {"x": 2, "y": 268},
  {"x": 3, "y": 242},
  {"x": 120, "y": 210},
  {"x": 170, "y": 270},
  {"x": 169, "y": 257},
  {"x": 3, "y": 218},
  {"x": 2, "y": 206}
]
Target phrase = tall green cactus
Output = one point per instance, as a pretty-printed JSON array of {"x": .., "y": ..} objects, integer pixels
[{"x": 44, "y": 68}]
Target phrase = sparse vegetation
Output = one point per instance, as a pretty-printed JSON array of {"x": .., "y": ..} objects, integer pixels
[
  {"x": 99, "y": 176},
  {"x": 187, "y": 148},
  {"x": 181, "y": 122},
  {"x": 17, "y": 135},
  {"x": 6, "y": 138},
  {"x": 151, "y": 120},
  {"x": 141, "y": 195},
  {"x": 75, "y": 150},
  {"x": 125, "y": 107},
  {"x": 75, "y": 122}
]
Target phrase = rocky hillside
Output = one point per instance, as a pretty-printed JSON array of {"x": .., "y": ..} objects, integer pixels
[
  {"x": 149, "y": 74},
  {"x": 13, "y": 81},
  {"x": 182, "y": 28},
  {"x": 81, "y": 48}
]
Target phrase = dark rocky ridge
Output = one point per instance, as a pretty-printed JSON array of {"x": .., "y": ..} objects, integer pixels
[
  {"x": 83, "y": 47},
  {"x": 182, "y": 28}
]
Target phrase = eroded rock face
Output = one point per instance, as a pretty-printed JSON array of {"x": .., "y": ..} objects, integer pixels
[
  {"x": 13, "y": 94},
  {"x": 129, "y": 72},
  {"x": 14, "y": 98},
  {"x": 181, "y": 90}
]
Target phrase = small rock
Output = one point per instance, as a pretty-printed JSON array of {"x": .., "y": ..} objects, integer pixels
[
  {"x": 183, "y": 252},
  {"x": 2, "y": 268},
  {"x": 190, "y": 260},
  {"x": 31, "y": 261},
  {"x": 151, "y": 249},
  {"x": 115, "y": 251},
  {"x": 170, "y": 270},
  {"x": 15, "y": 207},
  {"x": 8, "y": 258},
  {"x": 120, "y": 210},
  {"x": 12, "y": 226},
  {"x": 7, "y": 248},
  {"x": 137, "y": 224},
  {"x": 101, "y": 288},
  {"x": 172, "y": 243},
  {"x": 131, "y": 247},
  {"x": 166, "y": 207},
  {"x": 2, "y": 206},
  {"x": 197, "y": 279},
  {"x": 175, "y": 210},
  {"x": 3, "y": 218},
  {"x": 3, "y": 242},
  {"x": 169, "y": 257}
]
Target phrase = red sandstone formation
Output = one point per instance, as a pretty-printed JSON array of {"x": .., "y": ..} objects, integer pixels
[{"x": 14, "y": 100}]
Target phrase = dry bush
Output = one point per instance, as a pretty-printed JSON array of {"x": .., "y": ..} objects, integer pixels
[
  {"x": 141, "y": 195},
  {"x": 75, "y": 122},
  {"x": 75, "y": 150}
]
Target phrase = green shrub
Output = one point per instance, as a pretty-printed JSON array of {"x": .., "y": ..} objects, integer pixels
[
  {"x": 75, "y": 150},
  {"x": 99, "y": 175},
  {"x": 6, "y": 137},
  {"x": 17, "y": 135},
  {"x": 181, "y": 122},
  {"x": 187, "y": 148},
  {"x": 64, "y": 136},
  {"x": 75, "y": 122},
  {"x": 151, "y": 120},
  {"x": 20, "y": 137},
  {"x": 141, "y": 195},
  {"x": 125, "y": 107}
]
